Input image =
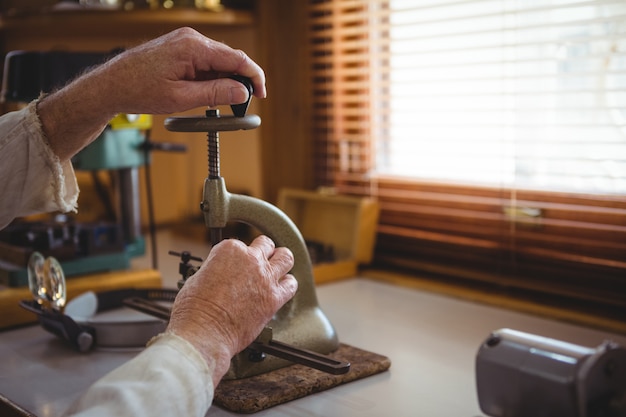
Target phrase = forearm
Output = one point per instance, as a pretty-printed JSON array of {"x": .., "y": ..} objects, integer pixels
[{"x": 74, "y": 116}]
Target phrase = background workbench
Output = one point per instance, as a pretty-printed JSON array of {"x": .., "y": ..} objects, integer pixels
[{"x": 431, "y": 340}]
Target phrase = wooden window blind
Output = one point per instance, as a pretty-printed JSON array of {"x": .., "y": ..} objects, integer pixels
[
  {"x": 342, "y": 103},
  {"x": 494, "y": 84}
]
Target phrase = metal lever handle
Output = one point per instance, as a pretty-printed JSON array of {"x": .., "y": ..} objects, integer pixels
[
  {"x": 263, "y": 343},
  {"x": 303, "y": 357},
  {"x": 148, "y": 307}
]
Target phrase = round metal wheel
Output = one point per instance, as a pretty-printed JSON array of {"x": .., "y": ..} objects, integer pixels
[{"x": 212, "y": 124}]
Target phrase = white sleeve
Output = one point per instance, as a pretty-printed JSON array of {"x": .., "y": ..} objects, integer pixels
[
  {"x": 32, "y": 178},
  {"x": 169, "y": 378}
]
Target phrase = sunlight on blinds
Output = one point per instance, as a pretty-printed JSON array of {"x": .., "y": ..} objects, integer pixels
[{"x": 515, "y": 93}]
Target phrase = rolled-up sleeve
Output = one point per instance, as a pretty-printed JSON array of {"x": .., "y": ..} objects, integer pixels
[
  {"x": 32, "y": 178},
  {"x": 169, "y": 378}
]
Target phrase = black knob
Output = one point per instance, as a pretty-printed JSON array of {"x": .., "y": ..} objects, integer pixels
[{"x": 239, "y": 110}]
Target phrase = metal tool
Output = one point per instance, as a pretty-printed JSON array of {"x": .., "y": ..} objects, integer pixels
[
  {"x": 76, "y": 322},
  {"x": 266, "y": 344},
  {"x": 524, "y": 375},
  {"x": 263, "y": 344},
  {"x": 301, "y": 322},
  {"x": 185, "y": 269}
]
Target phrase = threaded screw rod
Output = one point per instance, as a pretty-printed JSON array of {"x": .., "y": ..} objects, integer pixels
[{"x": 213, "y": 144}]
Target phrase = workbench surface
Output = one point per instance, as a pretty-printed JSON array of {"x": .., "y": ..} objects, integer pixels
[{"x": 431, "y": 340}]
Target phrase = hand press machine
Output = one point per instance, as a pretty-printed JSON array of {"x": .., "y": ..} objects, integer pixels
[
  {"x": 300, "y": 322},
  {"x": 299, "y": 334}
]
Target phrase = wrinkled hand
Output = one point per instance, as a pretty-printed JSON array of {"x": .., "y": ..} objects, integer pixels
[
  {"x": 180, "y": 71},
  {"x": 224, "y": 306}
]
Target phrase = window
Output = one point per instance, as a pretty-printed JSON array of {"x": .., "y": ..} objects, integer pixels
[
  {"x": 521, "y": 93},
  {"x": 492, "y": 132}
]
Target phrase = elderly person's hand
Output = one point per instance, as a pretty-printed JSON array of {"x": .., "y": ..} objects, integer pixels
[
  {"x": 176, "y": 72},
  {"x": 224, "y": 306}
]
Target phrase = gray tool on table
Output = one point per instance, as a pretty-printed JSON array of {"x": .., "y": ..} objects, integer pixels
[{"x": 524, "y": 375}]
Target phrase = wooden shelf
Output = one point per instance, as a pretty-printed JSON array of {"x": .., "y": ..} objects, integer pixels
[{"x": 105, "y": 22}]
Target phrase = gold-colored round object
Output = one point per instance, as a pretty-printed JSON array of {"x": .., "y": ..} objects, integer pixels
[
  {"x": 54, "y": 279},
  {"x": 36, "y": 277}
]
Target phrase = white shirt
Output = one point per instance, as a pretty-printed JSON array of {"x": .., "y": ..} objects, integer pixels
[
  {"x": 33, "y": 178},
  {"x": 170, "y": 377}
]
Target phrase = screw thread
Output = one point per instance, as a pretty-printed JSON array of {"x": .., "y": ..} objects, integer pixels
[
  {"x": 213, "y": 145},
  {"x": 214, "y": 155}
]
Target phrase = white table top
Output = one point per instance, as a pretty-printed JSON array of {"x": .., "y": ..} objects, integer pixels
[{"x": 431, "y": 340}]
